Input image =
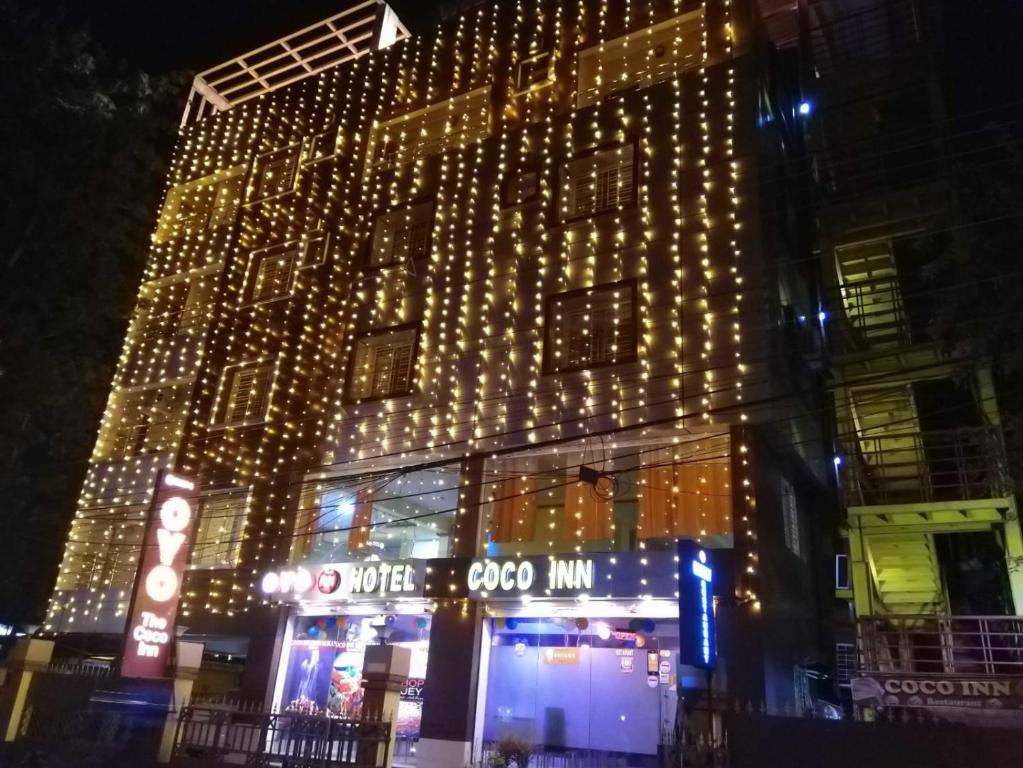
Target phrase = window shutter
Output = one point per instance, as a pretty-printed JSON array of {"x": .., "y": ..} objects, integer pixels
[
  {"x": 583, "y": 196},
  {"x": 249, "y": 395},
  {"x": 383, "y": 365},
  {"x": 274, "y": 276}
]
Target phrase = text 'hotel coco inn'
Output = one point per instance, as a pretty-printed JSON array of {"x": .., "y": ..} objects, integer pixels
[{"x": 455, "y": 336}]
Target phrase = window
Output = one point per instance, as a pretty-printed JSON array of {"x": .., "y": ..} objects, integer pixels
[
  {"x": 383, "y": 363},
  {"x": 205, "y": 203},
  {"x": 520, "y": 188},
  {"x": 276, "y": 173},
  {"x": 245, "y": 394},
  {"x": 591, "y": 327},
  {"x": 535, "y": 72},
  {"x": 402, "y": 235},
  {"x": 323, "y": 146},
  {"x": 144, "y": 421},
  {"x": 314, "y": 250},
  {"x": 274, "y": 273},
  {"x": 640, "y": 59},
  {"x": 790, "y": 516},
  {"x": 457, "y": 122},
  {"x": 218, "y": 536},
  {"x": 598, "y": 181}
]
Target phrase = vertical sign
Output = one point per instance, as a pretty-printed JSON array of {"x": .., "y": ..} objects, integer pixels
[
  {"x": 149, "y": 635},
  {"x": 697, "y": 645}
]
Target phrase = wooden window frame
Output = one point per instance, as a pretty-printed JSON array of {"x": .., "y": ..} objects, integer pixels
[
  {"x": 259, "y": 166},
  {"x": 590, "y": 152},
  {"x": 548, "y": 368},
  {"x": 347, "y": 397},
  {"x": 506, "y": 184},
  {"x": 367, "y": 256},
  {"x": 529, "y": 87},
  {"x": 309, "y": 158},
  {"x": 222, "y": 404},
  {"x": 256, "y": 259},
  {"x": 236, "y": 546}
]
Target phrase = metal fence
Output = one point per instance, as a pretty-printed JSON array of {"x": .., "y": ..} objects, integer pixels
[
  {"x": 217, "y": 736},
  {"x": 989, "y": 645},
  {"x": 945, "y": 465}
]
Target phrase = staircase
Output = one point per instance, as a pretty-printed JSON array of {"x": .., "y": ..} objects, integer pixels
[
  {"x": 870, "y": 294},
  {"x": 890, "y": 447},
  {"x": 906, "y": 574}
]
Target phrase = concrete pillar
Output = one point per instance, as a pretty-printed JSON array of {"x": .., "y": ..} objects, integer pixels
[
  {"x": 188, "y": 659},
  {"x": 449, "y": 697},
  {"x": 384, "y": 671},
  {"x": 1014, "y": 558},
  {"x": 859, "y": 571},
  {"x": 27, "y": 655}
]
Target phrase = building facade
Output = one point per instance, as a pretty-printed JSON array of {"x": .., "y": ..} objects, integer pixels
[
  {"x": 930, "y": 570},
  {"x": 458, "y": 338}
]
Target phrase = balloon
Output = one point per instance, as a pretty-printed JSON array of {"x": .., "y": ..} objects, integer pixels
[
  {"x": 340, "y": 621},
  {"x": 421, "y": 622},
  {"x": 649, "y": 626},
  {"x": 331, "y": 622},
  {"x": 511, "y": 623},
  {"x": 581, "y": 624},
  {"x": 635, "y": 625},
  {"x": 321, "y": 623},
  {"x": 390, "y": 620},
  {"x": 313, "y": 631}
]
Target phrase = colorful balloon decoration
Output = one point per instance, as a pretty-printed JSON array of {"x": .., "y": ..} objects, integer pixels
[
  {"x": 582, "y": 624},
  {"x": 313, "y": 631},
  {"x": 421, "y": 622},
  {"x": 511, "y": 623}
]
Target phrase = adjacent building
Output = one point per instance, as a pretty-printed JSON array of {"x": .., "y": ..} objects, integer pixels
[
  {"x": 929, "y": 573},
  {"x": 458, "y": 336}
]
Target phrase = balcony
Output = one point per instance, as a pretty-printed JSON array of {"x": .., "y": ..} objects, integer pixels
[
  {"x": 927, "y": 467},
  {"x": 942, "y": 645}
]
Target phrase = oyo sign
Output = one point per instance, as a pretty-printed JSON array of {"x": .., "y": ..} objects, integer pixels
[
  {"x": 150, "y": 629},
  {"x": 345, "y": 580}
]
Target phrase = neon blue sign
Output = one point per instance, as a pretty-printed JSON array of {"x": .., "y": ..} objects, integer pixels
[{"x": 697, "y": 646}]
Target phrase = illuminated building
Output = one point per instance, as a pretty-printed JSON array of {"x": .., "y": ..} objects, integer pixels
[{"x": 533, "y": 286}]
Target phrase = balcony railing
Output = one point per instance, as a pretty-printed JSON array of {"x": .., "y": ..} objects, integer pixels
[
  {"x": 875, "y": 314},
  {"x": 963, "y": 645},
  {"x": 915, "y": 467}
]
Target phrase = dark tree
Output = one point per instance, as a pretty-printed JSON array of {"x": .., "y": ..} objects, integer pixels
[{"x": 85, "y": 146}]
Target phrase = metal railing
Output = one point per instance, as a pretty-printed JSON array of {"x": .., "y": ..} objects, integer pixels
[
  {"x": 911, "y": 467},
  {"x": 875, "y": 314},
  {"x": 219, "y": 736},
  {"x": 972, "y": 645}
]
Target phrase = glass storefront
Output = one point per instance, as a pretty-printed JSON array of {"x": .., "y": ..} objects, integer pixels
[
  {"x": 323, "y": 665},
  {"x": 582, "y": 685},
  {"x": 409, "y": 516},
  {"x": 648, "y": 494}
]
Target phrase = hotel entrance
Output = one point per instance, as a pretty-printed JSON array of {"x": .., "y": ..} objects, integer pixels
[{"x": 581, "y": 690}]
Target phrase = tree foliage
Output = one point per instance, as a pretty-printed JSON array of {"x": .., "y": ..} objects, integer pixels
[{"x": 85, "y": 148}]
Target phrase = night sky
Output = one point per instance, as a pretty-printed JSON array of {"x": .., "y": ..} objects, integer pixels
[{"x": 193, "y": 35}]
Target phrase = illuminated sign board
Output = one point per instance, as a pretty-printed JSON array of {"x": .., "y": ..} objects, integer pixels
[
  {"x": 149, "y": 636},
  {"x": 511, "y": 575},
  {"x": 336, "y": 581},
  {"x": 697, "y": 646},
  {"x": 627, "y": 575}
]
